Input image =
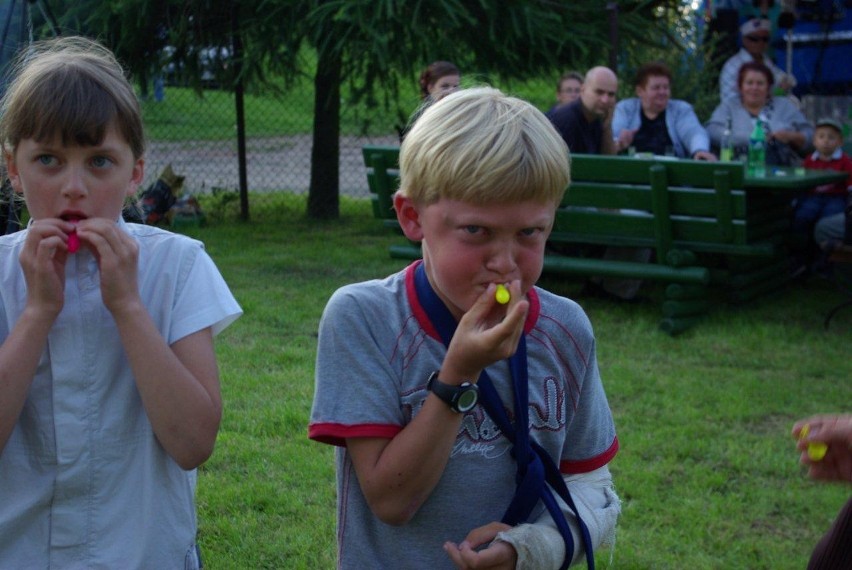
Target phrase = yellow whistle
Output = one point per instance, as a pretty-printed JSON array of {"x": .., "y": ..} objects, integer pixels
[
  {"x": 502, "y": 294},
  {"x": 816, "y": 449}
]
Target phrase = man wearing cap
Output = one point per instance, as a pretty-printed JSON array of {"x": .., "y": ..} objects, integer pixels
[{"x": 755, "y": 34}]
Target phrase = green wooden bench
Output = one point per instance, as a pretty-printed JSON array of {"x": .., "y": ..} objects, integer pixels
[
  {"x": 708, "y": 234},
  {"x": 382, "y": 164}
]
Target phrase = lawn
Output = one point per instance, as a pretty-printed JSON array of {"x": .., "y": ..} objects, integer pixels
[{"x": 707, "y": 471}]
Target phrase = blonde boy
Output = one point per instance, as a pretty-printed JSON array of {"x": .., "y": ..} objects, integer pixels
[{"x": 425, "y": 475}]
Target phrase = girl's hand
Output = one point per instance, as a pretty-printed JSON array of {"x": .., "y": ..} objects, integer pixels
[
  {"x": 835, "y": 432},
  {"x": 118, "y": 256},
  {"x": 43, "y": 260}
]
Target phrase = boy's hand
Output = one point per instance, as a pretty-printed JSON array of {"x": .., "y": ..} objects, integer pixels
[
  {"x": 118, "y": 255},
  {"x": 487, "y": 333},
  {"x": 496, "y": 556},
  {"x": 42, "y": 260},
  {"x": 836, "y": 432}
]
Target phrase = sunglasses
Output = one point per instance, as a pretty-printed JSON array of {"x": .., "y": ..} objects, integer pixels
[{"x": 764, "y": 39}]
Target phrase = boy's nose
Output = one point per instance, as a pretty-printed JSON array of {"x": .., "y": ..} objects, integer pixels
[{"x": 502, "y": 260}]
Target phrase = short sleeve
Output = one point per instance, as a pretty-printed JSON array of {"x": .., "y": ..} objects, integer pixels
[
  {"x": 591, "y": 441},
  {"x": 357, "y": 388},
  {"x": 203, "y": 299}
]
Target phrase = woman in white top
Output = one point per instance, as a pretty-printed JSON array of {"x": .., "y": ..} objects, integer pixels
[{"x": 788, "y": 132}]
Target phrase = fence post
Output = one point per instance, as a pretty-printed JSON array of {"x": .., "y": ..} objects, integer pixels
[{"x": 237, "y": 49}]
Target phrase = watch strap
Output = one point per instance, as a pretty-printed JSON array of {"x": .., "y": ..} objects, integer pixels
[{"x": 451, "y": 393}]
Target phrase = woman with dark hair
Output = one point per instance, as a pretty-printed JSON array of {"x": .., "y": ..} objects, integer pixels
[
  {"x": 437, "y": 81},
  {"x": 654, "y": 122},
  {"x": 787, "y": 130}
]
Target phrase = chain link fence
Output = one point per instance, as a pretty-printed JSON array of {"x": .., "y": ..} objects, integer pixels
[{"x": 196, "y": 134}]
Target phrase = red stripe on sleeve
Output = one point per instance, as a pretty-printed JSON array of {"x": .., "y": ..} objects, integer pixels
[
  {"x": 587, "y": 465},
  {"x": 337, "y": 434}
]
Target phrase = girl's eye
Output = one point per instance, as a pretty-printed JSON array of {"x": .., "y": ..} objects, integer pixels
[
  {"x": 45, "y": 159},
  {"x": 101, "y": 162}
]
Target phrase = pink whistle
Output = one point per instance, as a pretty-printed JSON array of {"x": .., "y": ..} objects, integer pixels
[
  {"x": 73, "y": 242},
  {"x": 73, "y": 238}
]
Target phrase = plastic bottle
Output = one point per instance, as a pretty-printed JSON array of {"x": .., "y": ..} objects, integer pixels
[
  {"x": 757, "y": 150},
  {"x": 726, "y": 145}
]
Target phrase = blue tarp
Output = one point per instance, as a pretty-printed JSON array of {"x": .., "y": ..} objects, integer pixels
[
  {"x": 821, "y": 39},
  {"x": 821, "y": 48}
]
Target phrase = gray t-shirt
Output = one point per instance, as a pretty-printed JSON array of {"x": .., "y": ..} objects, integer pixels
[{"x": 377, "y": 349}]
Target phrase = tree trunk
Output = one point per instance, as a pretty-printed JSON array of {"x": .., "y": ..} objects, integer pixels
[{"x": 324, "y": 196}]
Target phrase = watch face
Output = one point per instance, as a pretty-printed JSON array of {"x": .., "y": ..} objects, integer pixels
[{"x": 467, "y": 400}]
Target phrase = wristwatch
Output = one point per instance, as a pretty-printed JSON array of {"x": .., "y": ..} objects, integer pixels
[{"x": 461, "y": 398}]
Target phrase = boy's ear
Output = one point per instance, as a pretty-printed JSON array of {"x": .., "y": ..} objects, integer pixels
[{"x": 408, "y": 217}]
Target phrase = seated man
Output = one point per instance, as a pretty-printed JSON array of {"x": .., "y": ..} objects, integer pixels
[
  {"x": 585, "y": 124},
  {"x": 654, "y": 122}
]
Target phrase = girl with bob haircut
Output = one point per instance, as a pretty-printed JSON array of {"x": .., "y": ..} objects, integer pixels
[{"x": 109, "y": 387}]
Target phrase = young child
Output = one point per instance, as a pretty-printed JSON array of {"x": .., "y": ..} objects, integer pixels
[
  {"x": 425, "y": 474},
  {"x": 829, "y": 199},
  {"x": 109, "y": 389}
]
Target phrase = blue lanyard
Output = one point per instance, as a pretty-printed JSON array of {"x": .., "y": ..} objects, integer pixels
[{"x": 535, "y": 466}]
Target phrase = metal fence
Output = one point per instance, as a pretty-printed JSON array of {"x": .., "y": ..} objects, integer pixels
[{"x": 207, "y": 154}]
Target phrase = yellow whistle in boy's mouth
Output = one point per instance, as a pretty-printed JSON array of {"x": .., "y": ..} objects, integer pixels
[{"x": 502, "y": 294}]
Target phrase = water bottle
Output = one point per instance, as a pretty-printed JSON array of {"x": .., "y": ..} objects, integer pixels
[
  {"x": 757, "y": 150},
  {"x": 726, "y": 145}
]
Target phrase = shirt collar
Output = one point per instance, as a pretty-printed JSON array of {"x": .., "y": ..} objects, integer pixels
[{"x": 838, "y": 152}]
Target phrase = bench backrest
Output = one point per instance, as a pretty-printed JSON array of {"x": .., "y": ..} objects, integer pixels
[
  {"x": 616, "y": 200},
  {"x": 665, "y": 204}
]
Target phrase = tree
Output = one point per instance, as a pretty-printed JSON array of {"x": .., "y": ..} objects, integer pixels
[{"x": 369, "y": 45}]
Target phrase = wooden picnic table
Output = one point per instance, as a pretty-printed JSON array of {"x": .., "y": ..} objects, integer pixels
[{"x": 715, "y": 231}]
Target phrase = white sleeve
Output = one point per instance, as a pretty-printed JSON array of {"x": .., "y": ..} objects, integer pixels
[
  {"x": 728, "y": 87},
  {"x": 539, "y": 544}
]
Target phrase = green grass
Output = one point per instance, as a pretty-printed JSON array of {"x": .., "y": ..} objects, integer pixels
[
  {"x": 707, "y": 471},
  {"x": 186, "y": 115}
]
